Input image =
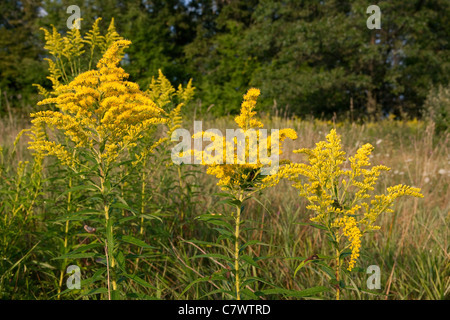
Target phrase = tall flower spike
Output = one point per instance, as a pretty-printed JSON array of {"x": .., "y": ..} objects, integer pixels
[
  {"x": 245, "y": 119},
  {"x": 100, "y": 106},
  {"x": 341, "y": 201},
  {"x": 231, "y": 174}
]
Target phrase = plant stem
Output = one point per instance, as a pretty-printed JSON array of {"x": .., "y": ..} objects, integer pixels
[
  {"x": 338, "y": 271},
  {"x": 66, "y": 240},
  {"x": 110, "y": 242},
  {"x": 143, "y": 204},
  {"x": 108, "y": 226},
  {"x": 236, "y": 249},
  {"x": 107, "y": 270}
]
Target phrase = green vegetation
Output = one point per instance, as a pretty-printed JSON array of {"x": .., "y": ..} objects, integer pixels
[
  {"x": 411, "y": 248},
  {"x": 307, "y": 57},
  {"x": 86, "y": 171}
]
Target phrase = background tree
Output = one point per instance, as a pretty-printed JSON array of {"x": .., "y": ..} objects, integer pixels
[
  {"x": 20, "y": 52},
  {"x": 308, "y": 57}
]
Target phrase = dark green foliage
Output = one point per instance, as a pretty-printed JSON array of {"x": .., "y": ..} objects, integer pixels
[
  {"x": 20, "y": 53},
  {"x": 307, "y": 57}
]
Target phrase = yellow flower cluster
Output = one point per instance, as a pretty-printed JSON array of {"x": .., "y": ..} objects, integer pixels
[
  {"x": 69, "y": 52},
  {"x": 242, "y": 174},
  {"x": 322, "y": 173},
  {"x": 384, "y": 202},
  {"x": 172, "y": 101},
  {"x": 245, "y": 120},
  {"x": 99, "y": 109},
  {"x": 337, "y": 196},
  {"x": 353, "y": 234}
]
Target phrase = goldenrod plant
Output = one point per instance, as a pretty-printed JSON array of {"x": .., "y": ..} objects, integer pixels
[
  {"x": 101, "y": 191},
  {"x": 70, "y": 58},
  {"x": 340, "y": 195},
  {"x": 239, "y": 181},
  {"x": 99, "y": 123},
  {"x": 103, "y": 119}
]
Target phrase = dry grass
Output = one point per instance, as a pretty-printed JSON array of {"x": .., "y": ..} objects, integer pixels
[{"x": 412, "y": 247}]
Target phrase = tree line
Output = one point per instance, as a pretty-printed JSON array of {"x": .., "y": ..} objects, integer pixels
[{"x": 308, "y": 57}]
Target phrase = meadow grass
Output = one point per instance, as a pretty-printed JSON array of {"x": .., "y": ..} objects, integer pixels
[{"x": 412, "y": 247}]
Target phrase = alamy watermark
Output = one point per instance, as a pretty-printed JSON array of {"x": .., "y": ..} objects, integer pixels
[
  {"x": 374, "y": 281},
  {"x": 74, "y": 21},
  {"x": 374, "y": 21},
  {"x": 74, "y": 281}
]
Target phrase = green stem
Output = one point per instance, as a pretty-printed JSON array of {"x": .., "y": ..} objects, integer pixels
[
  {"x": 110, "y": 241},
  {"x": 109, "y": 228},
  {"x": 66, "y": 240},
  {"x": 143, "y": 204},
  {"x": 236, "y": 249},
  {"x": 338, "y": 274}
]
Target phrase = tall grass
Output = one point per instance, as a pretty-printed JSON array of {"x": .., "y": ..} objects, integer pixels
[{"x": 412, "y": 247}]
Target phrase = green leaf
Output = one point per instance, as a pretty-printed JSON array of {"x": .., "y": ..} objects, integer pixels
[
  {"x": 84, "y": 282},
  {"x": 328, "y": 270},
  {"x": 120, "y": 261},
  {"x": 373, "y": 292},
  {"x": 96, "y": 291},
  {"x": 321, "y": 256},
  {"x": 122, "y": 220},
  {"x": 140, "y": 281},
  {"x": 204, "y": 279},
  {"x": 140, "y": 296},
  {"x": 249, "y": 260},
  {"x": 248, "y": 243},
  {"x": 77, "y": 188},
  {"x": 309, "y": 292},
  {"x": 248, "y": 293},
  {"x": 206, "y": 243},
  {"x": 226, "y": 233},
  {"x": 87, "y": 247},
  {"x": 151, "y": 216},
  {"x": 89, "y": 212},
  {"x": 358, "y": 270},
  {"x": 274, "y": 291},
  {"x": 115, "y": 295},
  {"x": 249, "y": 280},
  {"x": 214, "y": 219},
  {"x": 75, "y": 253},
  {"x": 310, "y": 224},
  {"x": 76, "y": 256},
  {"x": 70, "y": 217},
  {"x": 301, "y": 265},
  {"x": 345, "y": 254},
  {"x": 18, "y": 262},
  {"x": 124, "y": 206},
  {"x": 297, "y": 294},
  {"x": 137, "y": 242},
  {"x": 234, "y": 203}
]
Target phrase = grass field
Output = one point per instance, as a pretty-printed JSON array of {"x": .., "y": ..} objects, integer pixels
[{"x": 169, "y": 252}]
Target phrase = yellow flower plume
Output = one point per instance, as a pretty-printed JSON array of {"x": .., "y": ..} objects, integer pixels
[
  {"x": 99, "y": 107},
  {"x": 237, "y": 175},
  {"x": 341, "y": 199}
]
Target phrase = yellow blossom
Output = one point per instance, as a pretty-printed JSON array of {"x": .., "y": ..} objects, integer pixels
[
  {"x": 352, "y": 232},
  {"x": 339, "y": 198},
  {"x": 241, "y": 175},
  {"x": 99, "y": 107}
]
